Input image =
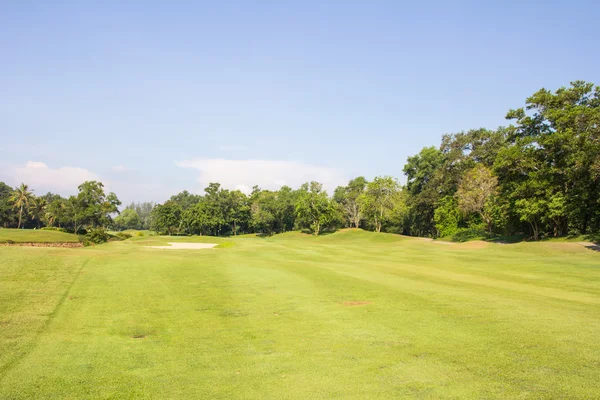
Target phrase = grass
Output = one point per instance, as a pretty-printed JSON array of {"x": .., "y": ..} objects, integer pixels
[
  {"x": 36, "y": 236},
  {"x": 348, "y": 315}
]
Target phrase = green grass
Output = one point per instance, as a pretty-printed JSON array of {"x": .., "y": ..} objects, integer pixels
[
  {"x": 348, "y": 315},
  {"x": 36, "y": 236}
]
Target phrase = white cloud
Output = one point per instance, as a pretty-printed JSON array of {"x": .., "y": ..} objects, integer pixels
[
  {"x": 243, "y": 174},
  {"x": 64, "y": 179},
  {"x": 119, "y": 168}
]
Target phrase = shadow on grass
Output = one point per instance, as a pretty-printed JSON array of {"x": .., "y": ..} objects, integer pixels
[{"x": 466, "y": 235}]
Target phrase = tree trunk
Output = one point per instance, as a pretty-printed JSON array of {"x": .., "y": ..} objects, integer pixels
[
  {"x": 20, "y": 216},
  {"x": 234, "y": 228},
  {"x": 535, "y": 230},
  {"x": 489, "y": 223}
]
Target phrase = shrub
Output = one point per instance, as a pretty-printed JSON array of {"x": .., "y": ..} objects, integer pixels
[
  {"x": 139, "y": 234},
  {"x": 446, "y": 217},
  {"x": 53, "y": 228},
  {"x": 123, "y": 235},
  {"x": 466, "y": 234},
  {"x": 97, "y": 236}
]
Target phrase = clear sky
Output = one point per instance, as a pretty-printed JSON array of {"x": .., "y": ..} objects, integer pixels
[{"x": 155, "y": 97}]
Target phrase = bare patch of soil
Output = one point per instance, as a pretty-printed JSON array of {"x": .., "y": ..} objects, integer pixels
[
  {"x": 356, "y": 303},
  {"x": 185, "y": 246},
  {"x": 474, "y": 244},
  {"x": 30, "y": 244},
  {"x": 590, "y": 245}
]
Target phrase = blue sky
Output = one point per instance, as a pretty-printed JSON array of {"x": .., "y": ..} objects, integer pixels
[{"x": 160, "y": 97}]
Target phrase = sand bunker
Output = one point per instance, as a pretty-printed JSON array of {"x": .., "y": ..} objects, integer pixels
[{"x": 185, "y": 246}]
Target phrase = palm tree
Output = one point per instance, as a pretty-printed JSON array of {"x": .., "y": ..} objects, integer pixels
[
  {"x": 55, "y": 212},
  {"x": 21, "y": 197},
  {"x": 38, "y": 209}
]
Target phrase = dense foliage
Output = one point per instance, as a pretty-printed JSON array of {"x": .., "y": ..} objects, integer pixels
[
  {"x": 91, "y": 208},
  {"x": 536, "y": 178}
]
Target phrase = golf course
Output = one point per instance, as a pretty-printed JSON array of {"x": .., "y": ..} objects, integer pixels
[{"x": 351, "y": 314}]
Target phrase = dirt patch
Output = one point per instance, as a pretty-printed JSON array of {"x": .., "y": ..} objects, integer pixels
[
  {"x": 185, "y": 246},
  {"x": 590, "y": 245},
  {"x": 65, "y": 245},
  {"x": 474, "y": 244},
  {"x": 139, "y": 336},
  {"x": 356, "y": 303}
]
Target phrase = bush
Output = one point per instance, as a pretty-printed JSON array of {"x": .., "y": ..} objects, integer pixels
[
  {"x": 466, "y": 234},
  {"x": 139, "y": 234},
  {"x": 123, "y": 235},
  {"x": 97, "y": 236},
  {"x": 53, "y": 228}
]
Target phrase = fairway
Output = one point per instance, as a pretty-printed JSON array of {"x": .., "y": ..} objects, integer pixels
[
  {"x": 352, "y": 314},
  {"x": 36, "y": 236}
]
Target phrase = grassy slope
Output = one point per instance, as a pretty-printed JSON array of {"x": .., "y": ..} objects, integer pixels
[
  {"x": 266, "y": 319},
  {"x": 36, "y": 236}
]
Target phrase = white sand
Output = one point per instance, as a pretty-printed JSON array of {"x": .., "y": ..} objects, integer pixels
[{"x": 187, "y": 246}]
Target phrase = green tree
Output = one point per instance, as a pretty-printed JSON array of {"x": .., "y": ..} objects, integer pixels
[
  {"x": 236, "y": 209},
  {"x": 284, "y": 208},
  {"x": 56, "y": 212},
  {"x": 532, "y": 210},
  {"x": 37, "y": 210},
  {"x": 185, "y": 199},
  {"x": 264, "y": 212},
  {"x": 21, "y": 199},
  {"x": 560, "y": 133},
  {"x": 143, "y": 209},
  {"x": 348, "y": 197},
  {"x": 166, "y": 218},
  {"x": 314, "y": 209},
  {"x": 91, "y": 207},
  {"x": 447, "y": 216},
  {"x": 422, "y": 172},
  {"x": 476, "y": 189},
  {"x": 7, "y": 215},
  {"x": 128, "y": 219},
  {"x": 377, "y": 202}
]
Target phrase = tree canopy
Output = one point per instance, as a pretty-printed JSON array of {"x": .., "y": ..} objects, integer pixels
[{"x": 538, "y": 177}]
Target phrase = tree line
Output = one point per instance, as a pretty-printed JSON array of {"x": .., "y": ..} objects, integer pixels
[
  {"x": 538, "y": 177},
  {"x": 90, "y": 208}
]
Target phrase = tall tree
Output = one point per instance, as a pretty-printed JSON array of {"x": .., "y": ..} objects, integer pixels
[
  {"x": 475, "y": 191},
  {"x": 348, "y": 197},
  {"x": 314, "y": 209},
  {"x": 377, "y": 202},
  {"x": 21, "y": 198},
  {"x": 264, "y": 212},
  {"x": 143, "y": 209},
  {"x": 422, "y": 171},
  {"x": 185, "y": 199},
  {"x": 127, "y": 219},
  {"x": 166, "y": 218},
  {"x": 560, "y": 133},
  {"x": 236, "y": 209},
  {"x": 91, "y": 207},
  {"x": 56, "y": 212},
  {"x": 37, "y": 210},
  {"x": 7, "y": 216}
]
